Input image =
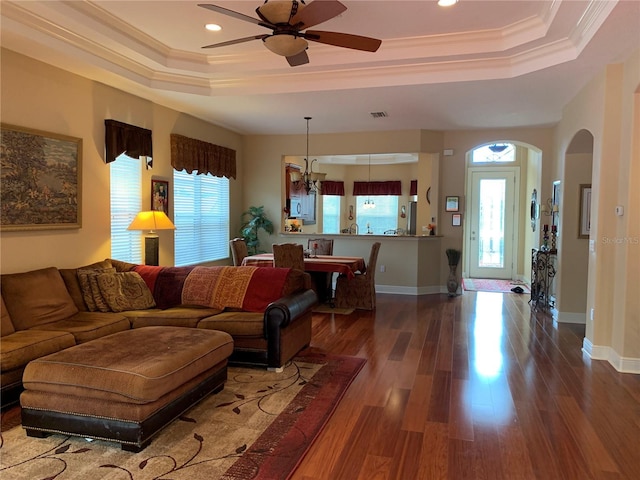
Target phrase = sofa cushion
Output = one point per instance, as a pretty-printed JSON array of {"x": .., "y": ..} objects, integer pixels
[
  {"x": 125, "y": 291},
  {"x": 36, "y": 298},
  {"x": 90, "y": 289},
  {"x": 175, "y": 316},
  {"x": 121, "y": 266},
  {"x": 6, "y": 327},
  {"x": 85, "y": 326},
  {"x": 20, "y": 348},
  {"x": 70, "y": 277},
  {"x": 236, "y": 323}
]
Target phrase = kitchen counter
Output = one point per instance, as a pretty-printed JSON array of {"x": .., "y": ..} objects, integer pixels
[{"x": 407, "y": 264}]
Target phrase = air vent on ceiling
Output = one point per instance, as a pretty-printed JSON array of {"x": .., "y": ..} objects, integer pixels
[{"x": 379, "y": 114}]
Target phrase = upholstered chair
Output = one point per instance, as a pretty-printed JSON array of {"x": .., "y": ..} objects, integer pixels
[
  {"x": 325, "y": 246},
  {"x": 359, "y": 292},
  {"x": 323, "y": 281},
  {"x": 288, "y": 255},
  {"x": 238, "y": 250}
]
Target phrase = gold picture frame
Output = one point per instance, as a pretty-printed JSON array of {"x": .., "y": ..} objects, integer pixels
[{"x": 41, "y": 180}]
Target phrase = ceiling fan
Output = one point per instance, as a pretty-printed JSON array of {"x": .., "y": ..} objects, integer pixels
[{"x": 288, "y": 19}]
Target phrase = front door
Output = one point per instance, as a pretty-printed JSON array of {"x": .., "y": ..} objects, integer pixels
[{"x": 492, "y": 222}]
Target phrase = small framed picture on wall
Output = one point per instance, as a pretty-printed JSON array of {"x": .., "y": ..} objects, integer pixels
[
  {"x": 160, "y": 196},
  {"x": 452, "y": 204},
  {"x": 456, "y": 219}
]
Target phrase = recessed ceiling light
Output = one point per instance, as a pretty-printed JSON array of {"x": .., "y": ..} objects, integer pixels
[
  {"x": 447, "y": 3},
  {"x": 213, "y": 27}
]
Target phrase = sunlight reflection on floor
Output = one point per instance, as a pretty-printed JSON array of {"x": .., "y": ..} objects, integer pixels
[{"x": 488, "y": 395}]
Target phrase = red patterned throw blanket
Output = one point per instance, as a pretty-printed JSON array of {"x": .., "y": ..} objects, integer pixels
[{"x": 248, "y": 288}]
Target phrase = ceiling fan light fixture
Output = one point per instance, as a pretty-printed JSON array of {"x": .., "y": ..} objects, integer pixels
[
  {"x": 285, "y": 44},
  {"x": 278, "y": 11}
]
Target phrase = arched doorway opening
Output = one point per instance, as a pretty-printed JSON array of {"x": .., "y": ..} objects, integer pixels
[{"x": 573, "y": 230}]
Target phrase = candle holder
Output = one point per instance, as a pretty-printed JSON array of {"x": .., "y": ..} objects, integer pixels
[{"x": 554, "y": 237}]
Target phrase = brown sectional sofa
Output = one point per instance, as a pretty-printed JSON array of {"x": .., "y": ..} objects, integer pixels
[{"x": 267, "y": 311}]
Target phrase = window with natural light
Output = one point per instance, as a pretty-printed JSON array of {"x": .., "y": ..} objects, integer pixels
[
  {"x": 495, "y": 153},
  {"x": 126, "y": 182},
  {"x": 201, "y": 217},
  {"x": 383, "y": 217},
  {"x": 331, "y": 213}
]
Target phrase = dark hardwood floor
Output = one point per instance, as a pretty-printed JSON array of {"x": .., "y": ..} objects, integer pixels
[{"x": 472, "y": 387}]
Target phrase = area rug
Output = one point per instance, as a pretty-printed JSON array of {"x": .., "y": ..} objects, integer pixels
[
  {"x": 259, "y": 427},
  {"x": 330, "y": 309},
  {"x": 492, "y": 285}
]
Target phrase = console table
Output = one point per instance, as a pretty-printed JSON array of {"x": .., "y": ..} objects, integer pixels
[{"x": 543, "y": 270}]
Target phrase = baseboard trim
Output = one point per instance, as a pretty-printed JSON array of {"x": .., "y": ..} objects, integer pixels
[
  {"x": 600, "y": 352},
  {"x": 571, "y": 317},
  {"x": 400, "y": 290}
]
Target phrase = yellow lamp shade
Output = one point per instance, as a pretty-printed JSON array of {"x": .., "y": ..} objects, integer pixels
[{"x": 151, "y": 220}]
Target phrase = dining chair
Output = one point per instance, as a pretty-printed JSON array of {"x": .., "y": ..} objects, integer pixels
[
  {"x": 238, "y": 250},
  {"x": 324, "y": 246},
  {"x": 323, "y": 281},
  {"x": 359, "y": 292},
  {"x": 288, "y": 255}
]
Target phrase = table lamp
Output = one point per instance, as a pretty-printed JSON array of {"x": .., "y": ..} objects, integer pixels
[{"x": 151, "y": 220}]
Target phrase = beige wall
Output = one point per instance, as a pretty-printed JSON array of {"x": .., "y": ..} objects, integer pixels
[
  {"x": 608, "y": 108},
  {"x": 573, "y": 251},
  {"x": 453, "y": 178},
  {"x": 38, "y": 96},
  {"x": 55, "y": 101}
]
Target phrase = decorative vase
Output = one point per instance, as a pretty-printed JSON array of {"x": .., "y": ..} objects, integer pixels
[{"x": 452, "y": 281}]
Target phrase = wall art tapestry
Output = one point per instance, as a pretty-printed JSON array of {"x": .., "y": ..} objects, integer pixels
[{"x": 40, "y": 180}]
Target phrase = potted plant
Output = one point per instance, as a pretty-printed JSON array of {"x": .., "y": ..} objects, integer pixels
[
  {"x": 253, "y": 220},
  {"x": 453, "y": 257}
]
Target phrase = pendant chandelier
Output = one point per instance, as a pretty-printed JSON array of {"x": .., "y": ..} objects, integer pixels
[
  {"x": 308, "y": 179},
  {"x": 368, "y": 203}
]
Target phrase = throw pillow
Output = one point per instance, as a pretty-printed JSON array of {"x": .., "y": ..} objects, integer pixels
[
  {"x": 70, "y": 277},
  {"x": 125, "y": 291},
  {"x": 90, "y": 290}
]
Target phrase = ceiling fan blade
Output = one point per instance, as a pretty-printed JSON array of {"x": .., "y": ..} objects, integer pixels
[
  {"x": 238, "y": 15},
  {"x": 299, "y": 59},
  {"x": 345, "y": 40},
  {"x": 317, "y": 12},
  {"x": 237, "y": 40}
]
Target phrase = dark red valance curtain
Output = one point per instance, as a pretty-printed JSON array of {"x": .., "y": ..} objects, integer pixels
[
  {"x": 330, "y": 187},
  {"x": 122, "y": 138},
  {"x": 393, "y": 187},
  {"x": 413, "y": 190},
  {"x": 190, "y": 154}
]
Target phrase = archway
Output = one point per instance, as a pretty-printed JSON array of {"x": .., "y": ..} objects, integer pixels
[{"x": 573, "y": 230}]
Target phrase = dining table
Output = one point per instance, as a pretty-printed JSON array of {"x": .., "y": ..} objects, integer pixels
[{"x": 316, "y": 263}]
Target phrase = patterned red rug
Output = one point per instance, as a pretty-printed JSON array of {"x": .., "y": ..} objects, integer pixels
[
  {"x": 492, "y": 285},
  {"x": 258, "y": 428}
]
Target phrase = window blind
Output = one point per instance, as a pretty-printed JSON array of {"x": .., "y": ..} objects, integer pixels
[
  {"x": 201, "y": 217},
  {"x": 126, "y": 181}
]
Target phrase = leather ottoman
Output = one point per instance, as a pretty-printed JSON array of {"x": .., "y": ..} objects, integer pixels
[{"x": 124, "y": 387}]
